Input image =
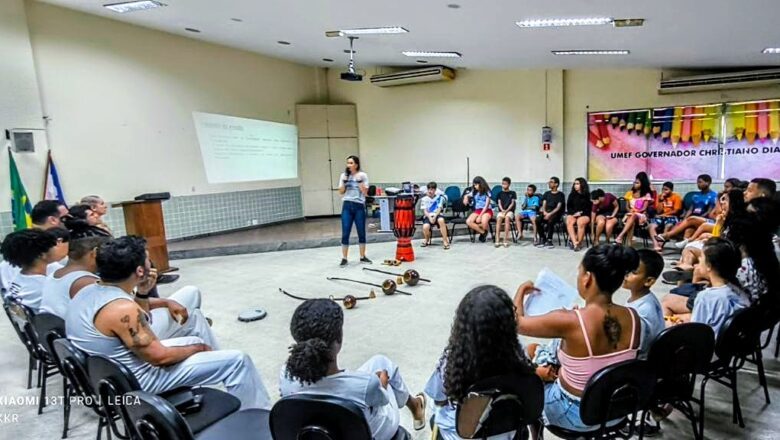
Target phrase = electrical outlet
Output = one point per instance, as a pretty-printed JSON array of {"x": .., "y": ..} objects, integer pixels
[{"x": 255, "y": 222}]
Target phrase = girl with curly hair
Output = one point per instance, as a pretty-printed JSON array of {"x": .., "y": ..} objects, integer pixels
[
  {"x": 591, "y": 337},
  {"x": 312, "y": 368},
  {"x": 483, "y": 343}
]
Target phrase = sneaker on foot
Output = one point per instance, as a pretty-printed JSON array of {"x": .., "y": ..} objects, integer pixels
[
  {"x": 366, "y": 260},
  {"x": 538, "y": 243},
  {"x": 549, "y": 244},
  {"x": 483, "y": 237},
  {"x": 343, "y": 262}
]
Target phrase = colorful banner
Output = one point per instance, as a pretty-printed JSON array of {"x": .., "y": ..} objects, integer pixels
[{"x": 679, "y": 143}]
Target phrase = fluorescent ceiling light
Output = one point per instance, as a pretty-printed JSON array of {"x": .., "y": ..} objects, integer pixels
[
  {"x": 771, "y": 50},
  {"x": 123, "y": 7},
  {"x": 427, "y": 54},
  {"x": 562, "y": 22},
  {"x": 367, "y": 31},
  {"x": 591, "y": 52}
]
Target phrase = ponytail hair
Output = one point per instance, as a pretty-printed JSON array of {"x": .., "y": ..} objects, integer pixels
[
  {"x": 316, "y": 326},
  {"x": 609, "y": 264}
]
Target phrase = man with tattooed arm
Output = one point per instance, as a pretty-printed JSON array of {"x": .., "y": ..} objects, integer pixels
[{"x": 111, "y": 317}]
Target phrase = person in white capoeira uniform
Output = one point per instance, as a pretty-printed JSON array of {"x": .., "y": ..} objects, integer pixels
[{"x": 110, "y": 318}]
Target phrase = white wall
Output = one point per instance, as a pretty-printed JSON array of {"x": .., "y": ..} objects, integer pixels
[
  {"x": 121, "y": 97},
  {"x": 20, "y": 103},
  {"x": 426, "y": 131},
  {"x": 605, "y": 90}
]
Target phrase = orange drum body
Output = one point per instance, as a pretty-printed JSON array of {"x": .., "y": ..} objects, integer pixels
[{"x": 403, "y": 226}]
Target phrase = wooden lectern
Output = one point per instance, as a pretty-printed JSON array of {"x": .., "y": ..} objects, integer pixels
[{"x": 144, "y": 218}]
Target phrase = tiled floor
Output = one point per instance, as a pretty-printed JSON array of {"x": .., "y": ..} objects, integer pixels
[{"x": 410, "y": 330}]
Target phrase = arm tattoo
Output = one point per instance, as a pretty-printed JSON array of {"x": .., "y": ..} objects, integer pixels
[{"x": 139, "y": 333}]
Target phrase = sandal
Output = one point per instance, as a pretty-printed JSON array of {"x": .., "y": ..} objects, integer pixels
[
  {"x": 425, "y": 244},
  {"x": 420, "y": 424},
  {"x": 446, "y": 246}
]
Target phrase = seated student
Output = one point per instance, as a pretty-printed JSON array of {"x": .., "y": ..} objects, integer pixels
[
  {"x": 507, "y": 202},
  {"x": 98, "y": 206},
  {"x": 105, "y": 318},
  {"x": 643, "y": 300},
  {"x": 553, "y": 206},
  {"x": 483, "y": 343},
  {"x": 639, "y": 199},
  {"x": 701, "y": 205},
  {"x": 713, "y": 305},
  {"x": 85, "y": 222},
  {"x": 732, "y": 205},
  {"x": 432, "y": 205},
  {"x": 479, "y": 200},
  {"x": 312, "y": 368},
  {"x": 46, "y": 214},
  {"x": 603, "y": 217},
  {"x": 528, "y": 210},
  {"x": 592, "y": 337},
  {"x": 578, "y": 208},
  {"x": 35, "y": 252},
  {"x": 669, "y": 206},
  {"x": 760, "y": 187},
  {"x": 80, "y": 271}
]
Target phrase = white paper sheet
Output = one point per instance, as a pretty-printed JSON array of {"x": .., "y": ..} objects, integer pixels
[{"x": 554, "y": 293}]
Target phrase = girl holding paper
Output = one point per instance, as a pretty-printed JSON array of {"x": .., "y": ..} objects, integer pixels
[{"x": 592, "y": 337}]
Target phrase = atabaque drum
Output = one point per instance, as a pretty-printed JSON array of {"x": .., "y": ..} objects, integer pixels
[{"x": 403, "y": 226}]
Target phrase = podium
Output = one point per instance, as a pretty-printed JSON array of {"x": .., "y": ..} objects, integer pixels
[{"x": 144, "y": 218}]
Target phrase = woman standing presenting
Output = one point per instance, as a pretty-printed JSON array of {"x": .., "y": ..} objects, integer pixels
[{"x": 353, "y": 185}]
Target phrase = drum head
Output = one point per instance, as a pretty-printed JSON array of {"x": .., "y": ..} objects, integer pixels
[{"x": 252, "y": 315}]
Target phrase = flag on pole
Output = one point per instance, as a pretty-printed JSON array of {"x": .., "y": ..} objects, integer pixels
[
  {"x": 52, "y": 190},
  {"x": 20, "y": 203}
]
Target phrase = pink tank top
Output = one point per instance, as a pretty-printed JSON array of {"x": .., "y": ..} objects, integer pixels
[{"x": 577, "y": 371}]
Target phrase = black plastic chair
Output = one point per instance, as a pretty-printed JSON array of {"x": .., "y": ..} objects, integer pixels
[
  {"x": 770, "y": 315},
  {"x": 676, "y": 356},
  {"x": 73, "y": 363},
  {"x": 154, "y": 418},
  {"x": 319, "y": 417},
  {"x": 48, "y": 327},
  {"x": 738, "y": 340},
  {"x": 112, "y": 380},
  {"x": 500, "y": 405},
  {"x": 617, "y": 392},
  {"x": 17, "y": 317}
]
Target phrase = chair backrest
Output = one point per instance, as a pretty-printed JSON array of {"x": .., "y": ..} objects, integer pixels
[
  {"x": 111, "y": 380},
  {"x": 622, "y": 206},
  {"x": 48, "y": 327},
  {"x": 740, "y": 334},
  {"x": 617, "y": 391},
  {"x": 688, "y": 200},
  {"x": 18, "y": 321},
  {"x": 317, "y": 417},
  {"x": 452, "y": 193},
  {"x": 677, "y": 355},
  {"x": 154, "y": 418},
  {"x": 500, "y": 405},
  {"x": 73, "y": 364},
  {"x": 495, "y": 191}
]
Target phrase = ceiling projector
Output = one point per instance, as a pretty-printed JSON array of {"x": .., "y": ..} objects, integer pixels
[{"x": 351, "y": 74}]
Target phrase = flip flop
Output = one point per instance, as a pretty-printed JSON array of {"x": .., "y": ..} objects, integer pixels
[
  {"x": 425, "y": 244},
  {"x": 446, "y": 246},
  {"x": 420, "y": 424}
]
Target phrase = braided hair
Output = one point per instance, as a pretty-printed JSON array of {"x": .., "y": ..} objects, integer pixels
[
  {"x": 609, "y": 265},
  {"x": 316, "y": 325}
]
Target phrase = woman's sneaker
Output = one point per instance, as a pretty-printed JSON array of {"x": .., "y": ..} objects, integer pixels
[
  {"x": 366, "y": 260},
  {"x": 343, "y": 262}
]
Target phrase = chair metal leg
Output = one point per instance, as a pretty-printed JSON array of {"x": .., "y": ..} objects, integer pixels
[
  {"x": 40, "y": 371},
  {"x": 30, "y": 368},
  {"x": 736, "y": 408},
  {"x": 777, "y": 342},
  {"x": 42, "y": 398},
  {"x": 701, "y": 406},
  {"x": 762, "y": 375},
  {"x": 66, "y": 407}
]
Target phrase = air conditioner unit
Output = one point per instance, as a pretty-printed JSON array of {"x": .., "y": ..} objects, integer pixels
[
  {"x": 415, "y": 76},
  {"x": 720, "y": 81}
]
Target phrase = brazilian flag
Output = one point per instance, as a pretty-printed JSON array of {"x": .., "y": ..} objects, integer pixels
[{"x": 20, "y": 203}]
